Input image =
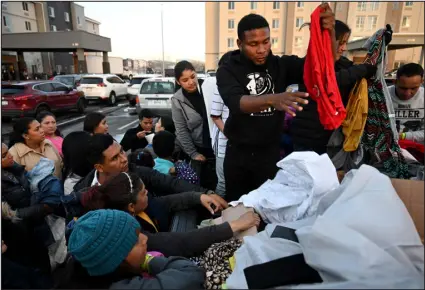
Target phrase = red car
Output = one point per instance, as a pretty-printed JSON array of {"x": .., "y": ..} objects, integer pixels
[{"x": 31, "y": 97}]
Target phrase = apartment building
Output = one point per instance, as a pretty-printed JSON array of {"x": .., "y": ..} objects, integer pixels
[
  {"x": 286, "y": 19},
  {"x": 21, "y": 17},
  {"x": 365, "y": 18}
]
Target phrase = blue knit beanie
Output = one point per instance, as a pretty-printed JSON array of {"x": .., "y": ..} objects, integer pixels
[{"x": 102, "y": 239}]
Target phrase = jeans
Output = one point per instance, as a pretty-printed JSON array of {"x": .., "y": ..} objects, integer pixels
[{"x": 219, "y": 168}]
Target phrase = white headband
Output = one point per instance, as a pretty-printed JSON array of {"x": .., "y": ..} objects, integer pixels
[{"x": 129, "y": 180}]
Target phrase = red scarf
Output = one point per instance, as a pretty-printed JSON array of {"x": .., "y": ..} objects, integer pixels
[{"x": 319, "y": 75}]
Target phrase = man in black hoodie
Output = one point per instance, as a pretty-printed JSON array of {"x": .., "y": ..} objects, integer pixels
[
  {"x": 135, "y": 138},
  {"x": 252, "y": 84}
]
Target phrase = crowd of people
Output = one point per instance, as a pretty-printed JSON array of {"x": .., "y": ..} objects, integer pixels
[{"x": 116, "y": 201}]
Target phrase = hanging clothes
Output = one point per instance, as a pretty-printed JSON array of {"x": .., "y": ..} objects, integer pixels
[
  {"x": 319, "y": 75},
  {"x": 354, "y": 123},
  {"x": 380, "y": 138},
  {"x": 216, "y": 262}
]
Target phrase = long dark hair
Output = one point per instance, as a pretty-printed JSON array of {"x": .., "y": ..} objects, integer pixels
[
  {"x": 20, "y": 128},
  {"x": 40, "y": 117},
  {"x": 341, "y": 29},
  {"x": 116, "y": 193},
  {"x": 75, "y": 154}
]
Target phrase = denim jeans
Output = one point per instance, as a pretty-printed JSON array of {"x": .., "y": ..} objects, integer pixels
[{"x": 219, "y": 168}]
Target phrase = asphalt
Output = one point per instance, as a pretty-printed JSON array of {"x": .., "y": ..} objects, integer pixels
[{"x": 117, "y": 117}]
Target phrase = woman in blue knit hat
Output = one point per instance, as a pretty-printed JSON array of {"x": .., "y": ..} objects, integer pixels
[{"x": 109, "y": 246}]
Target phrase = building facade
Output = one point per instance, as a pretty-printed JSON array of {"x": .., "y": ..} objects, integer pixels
[
  {"x": 286, "y": 19},
  {"x": 21, "y": 17}
]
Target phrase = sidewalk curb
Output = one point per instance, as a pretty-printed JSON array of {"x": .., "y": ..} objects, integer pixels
[{"x": 105, "y": 111}]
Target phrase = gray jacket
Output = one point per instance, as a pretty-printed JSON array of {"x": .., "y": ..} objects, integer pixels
[
  {"x": 188, "y": 124},
  {"x": 169, "y": 273}
]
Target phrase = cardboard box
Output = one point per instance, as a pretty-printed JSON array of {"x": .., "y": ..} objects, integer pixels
[
  {"x": 411, "y": 192},
  {"x": 232, "y": 214}
]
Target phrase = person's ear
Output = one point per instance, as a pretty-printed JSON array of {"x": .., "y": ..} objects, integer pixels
[
  {"x": 177, "y": 82},
  {"x": 239, "y": 43},
  {"x": 98, "y": 167},
  {"x": 25, "y": 136},
  {"x": 131, "y": 208}
]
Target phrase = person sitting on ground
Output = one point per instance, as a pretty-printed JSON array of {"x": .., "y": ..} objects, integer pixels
[
  {"x": 95, "y": 123},
  {"x": 163, "y": 145},
  {"x": 19, "y": 217},
  {"x": 28, "y": 145},
  {"x": 142, "y": 157},
  {"x": 135, "y": 138},
  {"x": 408, "y": 99},
  {"x": 127, "y": 192},
  {"x": 48, "y": 124},
  {"x": 112, "y": 251},
  {"x": 76, "y": 164}
]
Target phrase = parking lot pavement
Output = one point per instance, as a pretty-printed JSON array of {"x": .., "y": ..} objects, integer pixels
[
  {"x": 68, "y": 117},
  {"x": 118, "y": 121}
]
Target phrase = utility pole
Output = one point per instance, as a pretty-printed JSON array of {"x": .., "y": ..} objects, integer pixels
[{"x": 162, "y": 33}]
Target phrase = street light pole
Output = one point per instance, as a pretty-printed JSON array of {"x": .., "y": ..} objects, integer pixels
[{"x": 162, "y": 33}]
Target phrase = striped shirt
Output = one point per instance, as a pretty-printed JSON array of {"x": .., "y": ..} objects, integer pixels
[{"x": 219, "y": 109}]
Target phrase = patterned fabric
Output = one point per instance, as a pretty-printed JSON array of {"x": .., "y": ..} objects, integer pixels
[
  {"x": 185, "y": 172},
  {"x": 215, "y": 261},
  {"x": 379, "y": 138}
]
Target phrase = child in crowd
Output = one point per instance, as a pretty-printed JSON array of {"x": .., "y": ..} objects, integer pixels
[
  {"x": 109, "y": 246},
  {"x": 142, "y": 157},
  {"x": 163, "y": 145}
]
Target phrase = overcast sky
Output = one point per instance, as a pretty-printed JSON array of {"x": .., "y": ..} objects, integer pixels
[{"x": 135, "y": 28}]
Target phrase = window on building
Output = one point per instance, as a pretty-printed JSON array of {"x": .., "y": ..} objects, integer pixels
[
  {"x": 53, "y": 28},
  {"x": 231, "y": 5},
  {"x": 28, "y": 25},
  {"x": 299, "y": 22},
  {"x": 360, "y": 20},
  {"x": 51, "y": 12},
  {"x": 254, "y": 5},
  {"x": 25, "y": 6},
  {"x": 409, "y": 4},
  {"x": 66, "y": 14},
  {"x": 275, "y": 23},
  {"x": 406, "y": 21},
  {"x": 78, "y": 20},
  {"x": 371, "y": 22},
  {"x": 230, "y": 42},
  {"x": 374, "y": 6},
  {"x": 231, "y": 24},
  {"x": 398, "y": 64},
  {"x": 4, "y": 21},
  {"x": 300, "y": 4},
  {"x": 276, "y": 5},
  {"x": 298, "y": 41},
  {"x": 361, "y": 6},
  {"x": 274, "y": 42},
  {"x": 395, "y": 5}
]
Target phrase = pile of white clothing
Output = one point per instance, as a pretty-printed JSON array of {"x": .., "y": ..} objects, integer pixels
[
  {"x": 302, "y": 180},
  {"x": 362, "y": 237}
]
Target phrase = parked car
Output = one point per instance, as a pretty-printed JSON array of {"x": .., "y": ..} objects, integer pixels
[
  {"x": 69, "y": 80},
  {"x": 103, "y": 87},
  {"x": 134, "y": 89},
  {"x": 155, "y": 94},
  {"x": 32, "y": 97}
]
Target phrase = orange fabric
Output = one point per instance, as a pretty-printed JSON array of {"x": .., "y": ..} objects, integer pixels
[
  {"x": 145, "y": 217},
  {"x": 357, "y": 109},
  {"x": 319, "y": 75}
]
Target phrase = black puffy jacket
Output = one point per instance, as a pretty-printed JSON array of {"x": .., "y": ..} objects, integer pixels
[{"x": 306, "y": 130}]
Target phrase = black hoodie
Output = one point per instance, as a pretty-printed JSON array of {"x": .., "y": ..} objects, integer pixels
[{"x": 239, "y": 76}]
